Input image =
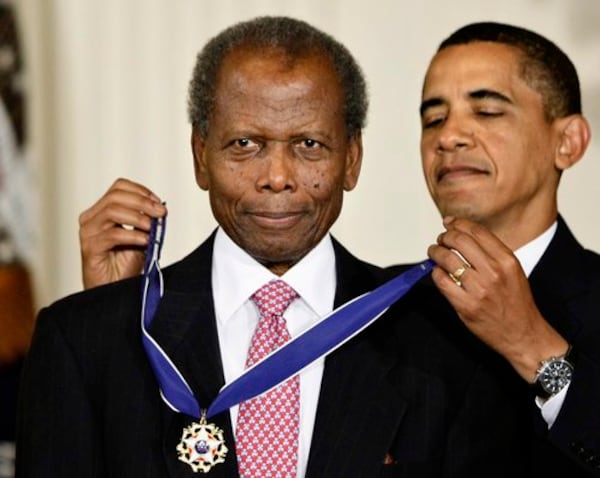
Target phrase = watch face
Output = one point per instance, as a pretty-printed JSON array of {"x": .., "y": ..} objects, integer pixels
[{"x": 555, "y": 376}]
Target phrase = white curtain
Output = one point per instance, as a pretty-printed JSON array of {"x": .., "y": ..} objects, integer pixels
[{"x": 107, "y": 81}]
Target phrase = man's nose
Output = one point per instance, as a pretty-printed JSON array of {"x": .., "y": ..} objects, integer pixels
[
  {"x": 454, "y": 133},
  {"x": 279, "y": 169}
]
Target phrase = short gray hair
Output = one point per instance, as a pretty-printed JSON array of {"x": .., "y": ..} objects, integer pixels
[{"x": 296, "y": 39}]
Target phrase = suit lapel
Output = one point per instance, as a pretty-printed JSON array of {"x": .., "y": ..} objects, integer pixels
[
  {"x": 355, "y": 394},
  {"x": 559, "y": 279},
  {"x": 185, "y": 328}
]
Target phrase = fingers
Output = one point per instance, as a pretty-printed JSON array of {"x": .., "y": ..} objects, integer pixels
[
  {"x": 107, "y": 240},
  {"x": 128, "y": 194},
  {"x": 451, "y": 274},
  {"x": 458, "y": 273},
  {"x": 471, "y": 238},
  {"x": 114, "y": 231},
  {"x": 472, "y": 258},
  {"x": 126, "y": 203},
  {"x": 453, "y": 267},
  {"x": 474, "y": 245}
]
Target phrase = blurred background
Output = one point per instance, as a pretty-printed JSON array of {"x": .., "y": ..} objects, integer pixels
[{"x": 94, "y": 90}]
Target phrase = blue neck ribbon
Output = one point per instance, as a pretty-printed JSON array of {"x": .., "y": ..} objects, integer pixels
[{"x": 321, "y": 339}]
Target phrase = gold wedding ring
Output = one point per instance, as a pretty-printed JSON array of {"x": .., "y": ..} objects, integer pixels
[{"x": 456, "y": 276}]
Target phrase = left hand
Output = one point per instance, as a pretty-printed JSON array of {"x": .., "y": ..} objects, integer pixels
[{"x": 493, "y": 297}]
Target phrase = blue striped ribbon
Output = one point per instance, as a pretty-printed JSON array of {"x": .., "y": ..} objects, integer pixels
[{"x": 321, "y": 339}]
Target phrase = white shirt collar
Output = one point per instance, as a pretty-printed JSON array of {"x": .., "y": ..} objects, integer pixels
[
  {"x": 236, "y": 276},
  {"x": 530, "y": 254}
]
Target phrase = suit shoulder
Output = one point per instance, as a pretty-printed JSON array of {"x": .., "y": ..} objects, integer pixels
[
  {"x": 592, "y": 258},
  {"x": 103, "y": 306}
]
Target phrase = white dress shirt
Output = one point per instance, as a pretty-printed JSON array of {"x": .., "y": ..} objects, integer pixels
[
  {"x": 529, "y": 255},
  {"x": 235, "y": 277}
]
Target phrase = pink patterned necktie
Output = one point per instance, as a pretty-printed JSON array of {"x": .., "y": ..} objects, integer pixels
[{"x": 268, "y": 425}]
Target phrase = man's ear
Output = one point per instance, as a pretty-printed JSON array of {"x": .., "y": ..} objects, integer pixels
[
  {"x": 574, "y": 137},
  {"x": 200, "y": 169},
  {"x": 353, "y": 161}
]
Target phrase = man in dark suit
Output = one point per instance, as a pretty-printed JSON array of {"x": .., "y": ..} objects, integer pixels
[
  {"x": 277, "y": 108},
  {"x": 501, "y": 120},
  {"x": 497, "y": 134}
]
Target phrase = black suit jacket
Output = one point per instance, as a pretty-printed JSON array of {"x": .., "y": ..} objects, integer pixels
[
  {"x": 399, "y": 399},
  {"x": 566, "y": 287}
]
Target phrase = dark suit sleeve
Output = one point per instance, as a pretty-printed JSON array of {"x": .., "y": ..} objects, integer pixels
[
  {"x": 56, "y": 435},
  {"x": 576, "y": 430},
  {"x": 566, "y": 287}
]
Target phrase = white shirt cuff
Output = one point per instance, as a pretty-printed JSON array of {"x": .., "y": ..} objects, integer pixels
[{"x": 551, "y": 408}]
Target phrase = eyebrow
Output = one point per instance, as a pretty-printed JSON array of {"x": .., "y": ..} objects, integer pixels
[
  {"x": 484, "y": 94},
  {"x": 481, "y": 94},
  {"x": 430, "y": 103}
]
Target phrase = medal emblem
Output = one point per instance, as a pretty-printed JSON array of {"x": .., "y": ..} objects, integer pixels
[{"x": 202, "y": 446}]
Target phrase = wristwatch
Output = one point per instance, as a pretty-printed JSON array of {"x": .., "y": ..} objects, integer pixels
[{"x": 554, "y": 374}]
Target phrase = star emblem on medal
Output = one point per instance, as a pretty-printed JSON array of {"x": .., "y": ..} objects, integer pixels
[{"x": 202, "y": 446}]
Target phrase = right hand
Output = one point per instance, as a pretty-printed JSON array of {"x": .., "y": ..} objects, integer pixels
[{"x": 113, "y": 233}]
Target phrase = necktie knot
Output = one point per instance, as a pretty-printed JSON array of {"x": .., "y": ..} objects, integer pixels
[{"x": 273, "y": 298}]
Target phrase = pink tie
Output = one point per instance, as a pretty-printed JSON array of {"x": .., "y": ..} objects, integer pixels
[{"x": 268, "y": 425}]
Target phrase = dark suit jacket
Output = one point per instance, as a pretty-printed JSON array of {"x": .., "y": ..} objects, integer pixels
[
  {"x": 566, "y": 288},
  {"x": 399, "y": 392}
]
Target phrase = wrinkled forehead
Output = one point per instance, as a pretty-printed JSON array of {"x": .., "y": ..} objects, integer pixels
[
  {"x": 252, "y": 69},
  {"x": 281, "y": 58}
]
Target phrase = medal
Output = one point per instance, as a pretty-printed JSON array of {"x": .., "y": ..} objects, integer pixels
[{"x": 202, "y": 446}]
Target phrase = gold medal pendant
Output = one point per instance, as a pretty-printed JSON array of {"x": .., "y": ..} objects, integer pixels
[{"x": 202, "y": 446}]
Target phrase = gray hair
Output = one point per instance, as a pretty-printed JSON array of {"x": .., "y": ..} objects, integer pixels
[{"x": 297, "y": 39}]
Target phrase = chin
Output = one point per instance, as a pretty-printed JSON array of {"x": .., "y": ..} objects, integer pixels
[
  {"x": 277, "y": 254},
  {"x": 462, "y": 210}
]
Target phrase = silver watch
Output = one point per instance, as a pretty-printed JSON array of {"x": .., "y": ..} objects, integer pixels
[{"x": 553, "y": 375}]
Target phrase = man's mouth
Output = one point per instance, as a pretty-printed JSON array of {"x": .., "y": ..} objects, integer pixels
[
  {"x": 458, "y": 172},
  {"x": 276, "y": 219}
]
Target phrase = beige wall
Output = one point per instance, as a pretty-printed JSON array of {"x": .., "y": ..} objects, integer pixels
[{"x": 108, "y": 86}]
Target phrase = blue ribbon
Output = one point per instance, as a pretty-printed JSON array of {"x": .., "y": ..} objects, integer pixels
[
  {"x": 321, "y": 339},
  {"x": 175, "y": 391}
]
